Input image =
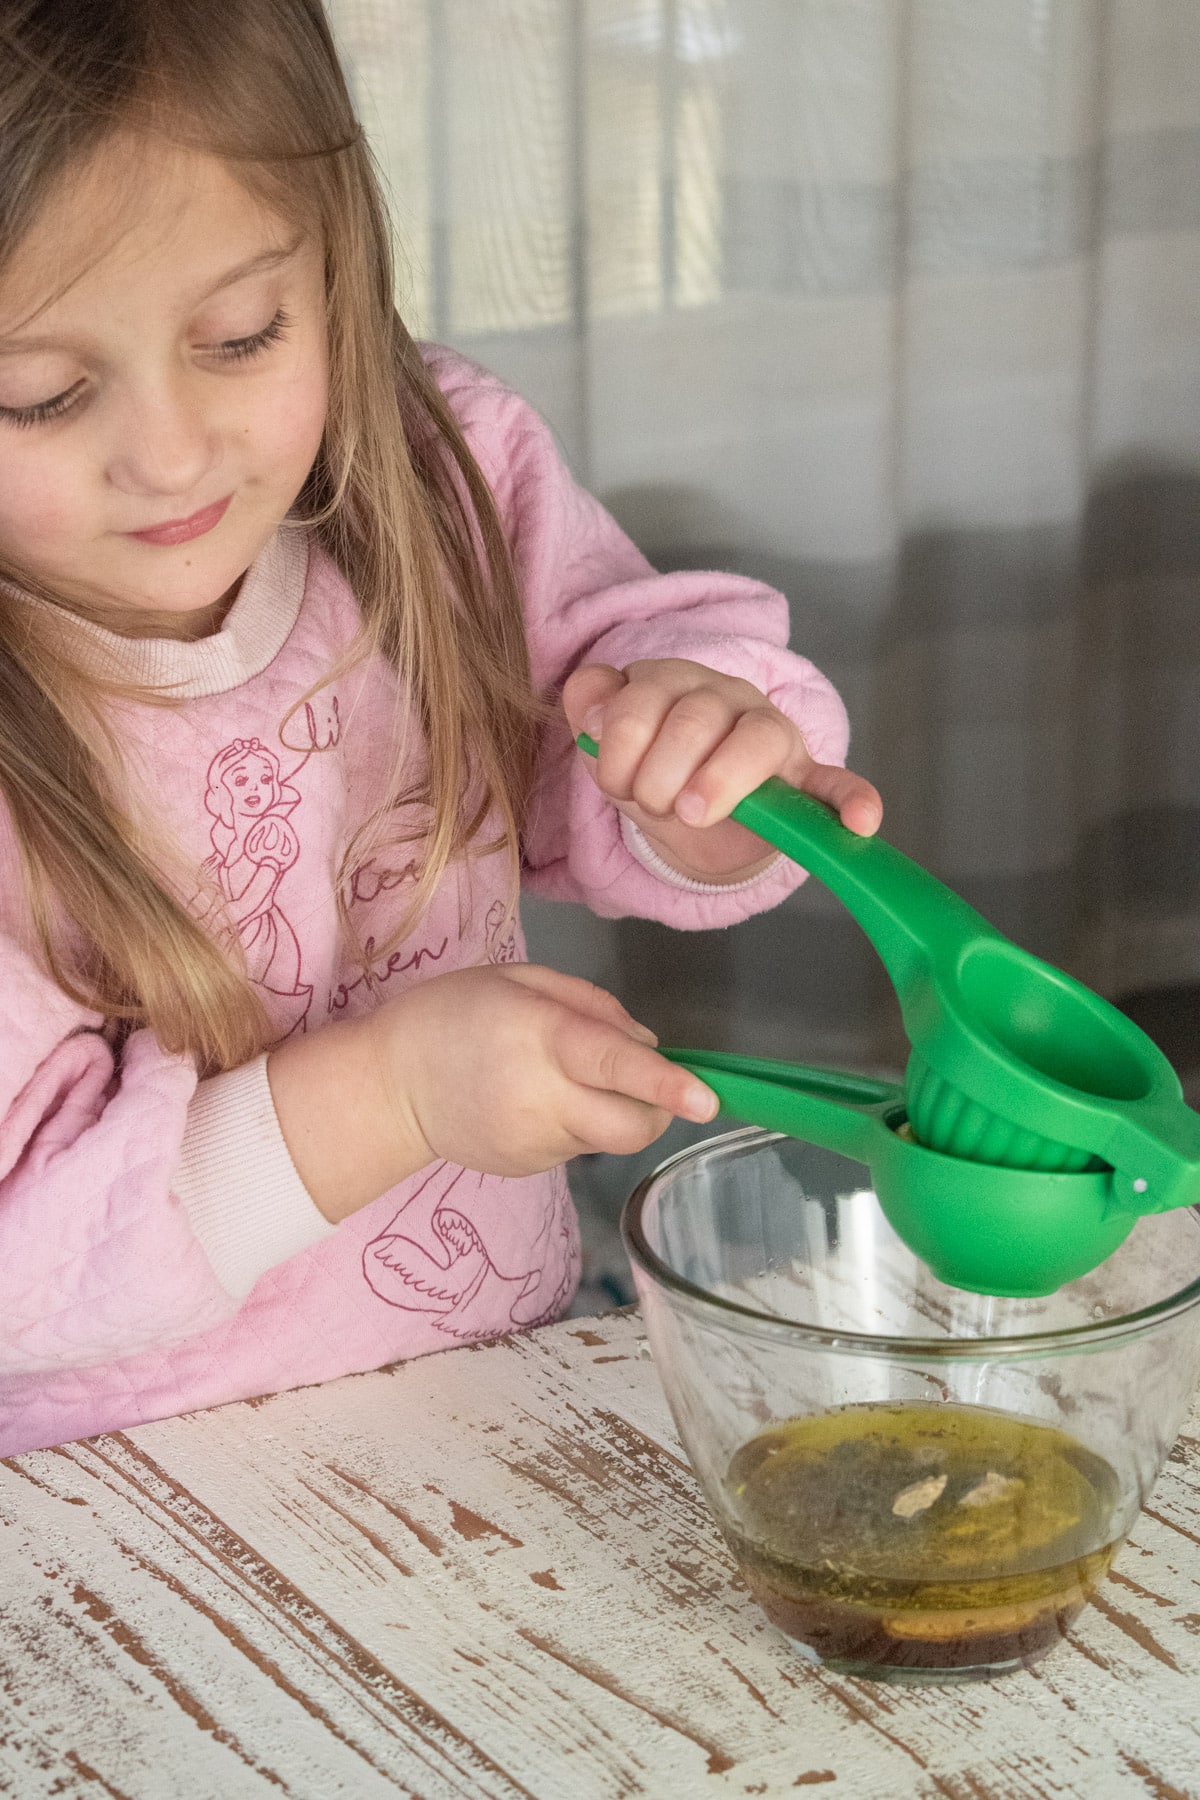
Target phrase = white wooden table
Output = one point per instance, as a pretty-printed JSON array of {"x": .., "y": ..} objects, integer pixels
[{"x": 490, "y": 1573}]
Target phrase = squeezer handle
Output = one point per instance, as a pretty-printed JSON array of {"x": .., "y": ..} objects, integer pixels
[
  {"x": 848, "y": 1113},
  {"x": 911, "y": 917}
]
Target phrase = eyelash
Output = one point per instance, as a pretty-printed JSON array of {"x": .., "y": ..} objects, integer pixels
[
  {"x": 239, "y": 349},
  {"x": 232, "y": 350},
  {"x": 24, "y": 416}
]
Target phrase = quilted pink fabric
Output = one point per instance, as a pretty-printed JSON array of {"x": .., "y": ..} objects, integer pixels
[{"x": 110, "y": 1313}]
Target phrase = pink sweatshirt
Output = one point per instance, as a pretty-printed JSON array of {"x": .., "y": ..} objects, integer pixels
[{"x": 158, "y": 1251}]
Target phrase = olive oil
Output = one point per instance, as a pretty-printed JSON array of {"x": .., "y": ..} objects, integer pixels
[{"x": 921, "y": 1537}]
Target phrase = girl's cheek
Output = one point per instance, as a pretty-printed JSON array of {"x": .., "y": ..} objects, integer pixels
[
  {"x": 302, "y": 404},
  {"x": 42, "y": 507},
  {"x": 301, "y": 421}
]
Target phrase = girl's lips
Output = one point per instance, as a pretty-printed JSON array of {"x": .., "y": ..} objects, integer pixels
[{"x": 181, "y": 531}]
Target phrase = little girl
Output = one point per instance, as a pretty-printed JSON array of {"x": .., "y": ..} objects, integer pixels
[{"x": 297, "y": 625}]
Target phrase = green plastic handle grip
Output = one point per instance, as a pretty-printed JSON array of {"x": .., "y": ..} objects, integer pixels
[
  {"x": 850, "y": 1113},
  {"x": 905, "y": 911}
]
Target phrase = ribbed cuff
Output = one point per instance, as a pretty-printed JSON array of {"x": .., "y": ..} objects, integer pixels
[
  {"x": 237, "y": 1183},
  {"x": 641, "y": 849}
]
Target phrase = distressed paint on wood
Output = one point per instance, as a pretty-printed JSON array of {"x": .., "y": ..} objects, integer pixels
[{"x": 490, "y": 1573}]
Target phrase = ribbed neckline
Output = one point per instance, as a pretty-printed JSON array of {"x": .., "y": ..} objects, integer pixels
[{"x": 252, "y": 634}]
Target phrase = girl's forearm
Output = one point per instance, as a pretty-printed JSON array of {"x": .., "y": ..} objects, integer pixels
[{"x": 350, "y": 1136}]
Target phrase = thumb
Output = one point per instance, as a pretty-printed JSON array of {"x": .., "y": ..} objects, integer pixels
[
  {"x": 587, "y": 689},
  {"x": 851, "y": 796}
]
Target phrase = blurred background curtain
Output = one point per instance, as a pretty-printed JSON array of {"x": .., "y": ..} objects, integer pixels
[{"x": 895, "y": 303}]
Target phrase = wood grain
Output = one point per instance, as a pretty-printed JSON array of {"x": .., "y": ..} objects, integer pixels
[{"x": 490, "y": 1573}]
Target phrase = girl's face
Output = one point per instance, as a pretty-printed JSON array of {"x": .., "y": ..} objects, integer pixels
[{"x": 163, "y": 378}]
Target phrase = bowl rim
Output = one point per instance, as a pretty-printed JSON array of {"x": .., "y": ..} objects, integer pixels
[{"x": 1009, "y": 1344}]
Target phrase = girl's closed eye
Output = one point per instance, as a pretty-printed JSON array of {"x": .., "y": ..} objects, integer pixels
[
  {"x": 240, "y": 349},
  {"x": 43, "y": 410}
]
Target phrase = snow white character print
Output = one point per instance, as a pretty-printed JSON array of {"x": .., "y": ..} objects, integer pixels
[
  {"x": 254, "y": 845},
  {"x": 250, "y": 801},
  {"x": 444, "y": 1254}
]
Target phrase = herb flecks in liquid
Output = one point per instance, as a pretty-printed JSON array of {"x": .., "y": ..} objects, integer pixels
[{"x": 922, "y": 1536}]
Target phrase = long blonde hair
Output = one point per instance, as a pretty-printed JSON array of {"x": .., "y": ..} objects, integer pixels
[{"x": 395, "y": 497}]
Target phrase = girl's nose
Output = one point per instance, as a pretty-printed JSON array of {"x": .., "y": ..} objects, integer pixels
[{"x": 165, "y": 444}]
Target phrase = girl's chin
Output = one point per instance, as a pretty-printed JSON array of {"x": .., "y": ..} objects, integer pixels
[{"x": 183, "y": 595}]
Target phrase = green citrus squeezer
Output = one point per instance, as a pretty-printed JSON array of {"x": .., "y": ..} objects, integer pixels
[
  {"x": 1020, "y": 1232},
  {"x": 1015, "y": 1069}
]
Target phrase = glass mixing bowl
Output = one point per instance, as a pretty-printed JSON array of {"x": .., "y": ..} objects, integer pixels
[{"x": 918, "y": 1484}]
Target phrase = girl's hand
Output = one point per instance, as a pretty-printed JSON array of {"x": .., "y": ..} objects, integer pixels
[
  {"x": 509, "y": 1070},
  {"x": 680, "y": 745}
]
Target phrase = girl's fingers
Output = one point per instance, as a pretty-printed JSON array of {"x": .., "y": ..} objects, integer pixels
[
  {"x": 691, "y": 733},
  {"x": 588, "y": 690},
  {"x": 761, "y": 743},
  {"x": 595, "y": 1056},
  {"x": 630, "y": 725},
  {"x": 676, "y": 745},
  {"x": 612, "y": 1123},
  {"x": 580, "y": 996},
  {"x": 629, "y": 722}
]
